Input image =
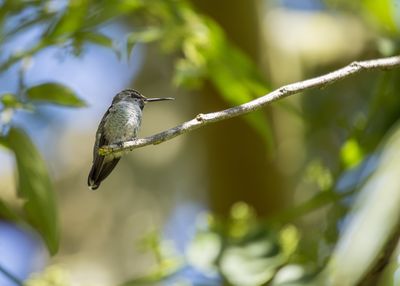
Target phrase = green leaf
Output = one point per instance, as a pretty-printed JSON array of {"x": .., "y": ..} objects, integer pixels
[
  {"x": 145, "y": 36},
  {"x": 6, "y": 212},
  {"x": 383, "y": 12},
  {"x": 72, "y": 19},
  {"x": 9, "y": 100},
  {"x": 97, "y": 38},
  {"x": 289, "y": 238},
  {"x": 54, "y": 93},
  {"x": 110, "y": 9},
  {"x": 207, "y": 54},
  {"x": 319, "y": 174},
  {"x": 351, "y": 153},
  {"x": 235, "y": 90},
  {"x": 35, "y": 187}
]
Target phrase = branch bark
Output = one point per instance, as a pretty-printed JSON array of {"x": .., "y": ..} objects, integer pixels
[{"x": 204, "y": 119}]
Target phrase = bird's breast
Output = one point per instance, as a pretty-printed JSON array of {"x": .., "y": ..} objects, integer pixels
[{"x": 123, "y": 122}]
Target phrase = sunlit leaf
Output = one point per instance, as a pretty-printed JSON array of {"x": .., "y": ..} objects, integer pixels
[
  {"x": 9, "y": 100},
  {"x": 52, "y": 275},
  {"x": 291, "y": 275},
  {"x": 289, "y": 239},
  {"x": 243, "y": 218},
  {"x": 383, "y": 12},
  {"x": 203, "y": 251},
  {"x": 54, "y": 93},
  {"x": 250, "y": 264},
  {"x": 351, "y": 153},
  {"x": 35, "y": 187},
  {"x": 241, "y": 211}
]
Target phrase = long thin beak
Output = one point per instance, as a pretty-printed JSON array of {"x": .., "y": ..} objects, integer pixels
[{"x": 159, "y": 99}]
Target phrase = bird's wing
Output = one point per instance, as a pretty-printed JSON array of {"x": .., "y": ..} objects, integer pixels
[
  {"x": 102, "y": 165},
  {"x": 101, "y": 140}
]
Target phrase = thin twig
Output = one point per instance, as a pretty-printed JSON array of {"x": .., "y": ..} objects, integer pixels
[
  {"x": 204, "y": 119},
  {"x": 11, "y": 276}
]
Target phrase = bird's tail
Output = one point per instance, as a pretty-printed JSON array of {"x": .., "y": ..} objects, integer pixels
[{"x": 101, "y": 168}]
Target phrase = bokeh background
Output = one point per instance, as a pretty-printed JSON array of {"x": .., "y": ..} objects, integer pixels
[{"x": 304, "y": 192}]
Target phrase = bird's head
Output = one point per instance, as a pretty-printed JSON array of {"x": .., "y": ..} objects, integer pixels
[{"x": 134, "y": 95}]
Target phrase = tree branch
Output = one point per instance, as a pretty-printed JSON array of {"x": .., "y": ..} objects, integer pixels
[{"x": 284, "y": 91}]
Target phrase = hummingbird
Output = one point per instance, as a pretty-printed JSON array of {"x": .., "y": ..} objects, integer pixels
[{"x": 120, "y": 123}]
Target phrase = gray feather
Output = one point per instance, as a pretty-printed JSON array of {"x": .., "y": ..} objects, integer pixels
[{"x": 120, "y": 123}]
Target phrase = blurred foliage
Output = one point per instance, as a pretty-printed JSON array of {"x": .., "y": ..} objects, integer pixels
[
  {"x": 206, "y": 54},
  {"x": 380, "y": 14},
  {"x": 167, "y": 260},
  {"x": 351, "y": 153},
  {"x": 319, "y": 174},
  {"x": 51, "y": 276},
  {"x": 373, "y": 226},
  {"x": 239, "y": 249},
  {"x": 34, "y": 187},
  {"x": 70, "y": 25},
  {"x": 341, "y": 141}
]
